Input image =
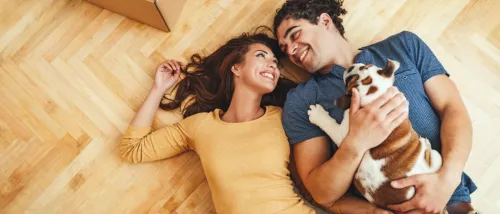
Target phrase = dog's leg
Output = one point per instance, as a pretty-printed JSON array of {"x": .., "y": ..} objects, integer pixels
[
  {"x": 320, "y": 117},
  {"x": 344, "y": 126}
]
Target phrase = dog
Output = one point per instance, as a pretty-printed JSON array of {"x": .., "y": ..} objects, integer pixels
[{"x": 402, "y": 154}]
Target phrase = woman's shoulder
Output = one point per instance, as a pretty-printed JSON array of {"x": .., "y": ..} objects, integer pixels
[
  {"x": 273, "y": 108},
  {"x": 193, "y": 123},
  {"x": 201, "y": 116}
]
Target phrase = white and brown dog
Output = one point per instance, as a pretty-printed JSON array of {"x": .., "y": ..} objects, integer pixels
[{"x": 402, "y": 154}]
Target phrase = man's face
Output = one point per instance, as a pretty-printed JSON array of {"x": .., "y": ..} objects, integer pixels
[{"x": 307, "y": 45}]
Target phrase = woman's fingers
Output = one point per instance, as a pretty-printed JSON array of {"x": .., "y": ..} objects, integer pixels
[
  {"x": 178, "y": 64},
  {"x": 172, "y": 65}
]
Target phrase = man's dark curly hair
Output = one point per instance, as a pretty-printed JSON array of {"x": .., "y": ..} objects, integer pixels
[{"x": 310, "y": 10}]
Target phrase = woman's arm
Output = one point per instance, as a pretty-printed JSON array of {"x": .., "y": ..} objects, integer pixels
[
  {"x": 139, "y": 144},
  {"x": 166, "y": 76}
]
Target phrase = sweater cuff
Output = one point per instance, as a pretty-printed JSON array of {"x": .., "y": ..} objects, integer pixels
[{"x": 137, "y": 132}]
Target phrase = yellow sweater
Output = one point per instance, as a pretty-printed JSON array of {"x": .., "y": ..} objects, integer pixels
[{"x": 245, "y": 163}]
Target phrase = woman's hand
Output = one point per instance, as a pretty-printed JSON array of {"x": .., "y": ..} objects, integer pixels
[{"x": 167, "y": 75}]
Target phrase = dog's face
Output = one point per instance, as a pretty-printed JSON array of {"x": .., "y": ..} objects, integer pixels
[{"x": 370, "y": 80}]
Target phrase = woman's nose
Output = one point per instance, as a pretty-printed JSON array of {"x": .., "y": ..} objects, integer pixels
[{"x": 272, "y": 65}]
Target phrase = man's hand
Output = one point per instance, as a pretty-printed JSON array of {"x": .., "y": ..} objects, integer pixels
[
  {"x": 433, "y": 191},
  {"x": 372, "y": 124}
]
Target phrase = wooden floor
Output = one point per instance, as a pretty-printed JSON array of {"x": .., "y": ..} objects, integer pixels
[{"x": 72, "y": 76}]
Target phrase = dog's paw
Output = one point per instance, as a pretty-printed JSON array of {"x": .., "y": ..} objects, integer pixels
[{"x": 317, "y": 114}]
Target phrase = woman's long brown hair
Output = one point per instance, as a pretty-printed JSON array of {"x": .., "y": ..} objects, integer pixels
[{"x": 210, "y": 80}]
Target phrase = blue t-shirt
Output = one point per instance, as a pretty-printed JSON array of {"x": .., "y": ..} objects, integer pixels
[{"x": 418, "y": 64}]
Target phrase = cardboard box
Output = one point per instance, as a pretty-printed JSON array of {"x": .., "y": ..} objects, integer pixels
[{"x": 160, "y": 14}]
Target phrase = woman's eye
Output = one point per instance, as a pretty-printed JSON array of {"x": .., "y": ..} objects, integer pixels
[
  {"x": 261, "y": 55},
  {"x": 295, "y": 35}
]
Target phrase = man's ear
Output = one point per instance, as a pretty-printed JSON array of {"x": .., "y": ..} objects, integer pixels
[
  {"x": 236, "y": 71},
  {"x": 325, "y": 20}
]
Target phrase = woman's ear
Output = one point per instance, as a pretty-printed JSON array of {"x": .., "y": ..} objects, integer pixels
[{"x": 236, "y": 71}]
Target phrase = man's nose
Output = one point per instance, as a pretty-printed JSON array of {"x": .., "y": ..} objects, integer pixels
[{"x": 292, "y": 50}]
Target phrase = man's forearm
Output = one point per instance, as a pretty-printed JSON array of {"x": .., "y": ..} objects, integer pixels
[
  {"x": 329, "y": 182},
  {"x": 456, "y": 140}
]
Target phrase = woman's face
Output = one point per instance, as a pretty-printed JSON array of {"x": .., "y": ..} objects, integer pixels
[{"x": 259, "y": 70}]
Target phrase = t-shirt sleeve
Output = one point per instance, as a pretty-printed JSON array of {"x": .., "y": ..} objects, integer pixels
[
  {"x": 296, "y": 121},
  {"x": 141, "y": 144},
  {"x": 423, "y": 57}
]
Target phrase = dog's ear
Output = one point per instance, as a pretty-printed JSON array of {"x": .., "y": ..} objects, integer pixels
[
  {"x": 389, "y": 69},
  {"x": 343, "y": 102}
]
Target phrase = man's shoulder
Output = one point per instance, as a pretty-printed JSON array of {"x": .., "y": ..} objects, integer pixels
[
  {"x": 403, "y": 35},
  {"x": 400, "y": 38}
]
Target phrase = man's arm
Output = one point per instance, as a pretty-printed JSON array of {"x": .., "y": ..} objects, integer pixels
[
  {"x": 456, "y": 126},
  {"x": 434, "y": 190},
  {"x": 349, "y": 204},
  {"x": 327, "y": 179}
]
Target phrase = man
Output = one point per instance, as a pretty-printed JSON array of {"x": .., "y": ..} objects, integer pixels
[{"x": 312, "y": 35}]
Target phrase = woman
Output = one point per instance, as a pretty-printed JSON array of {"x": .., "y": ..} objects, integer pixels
[{"x": 233, "y": 124}]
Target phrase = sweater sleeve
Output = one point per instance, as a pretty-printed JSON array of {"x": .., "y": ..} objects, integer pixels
[{"x": 140, "y": 144}]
